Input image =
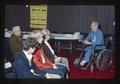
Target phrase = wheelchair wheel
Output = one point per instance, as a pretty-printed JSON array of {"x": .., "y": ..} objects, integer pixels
[{"x": 104, "y": 59}]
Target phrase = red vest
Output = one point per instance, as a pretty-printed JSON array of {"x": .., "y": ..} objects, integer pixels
[{"x": 37, "y": 59}]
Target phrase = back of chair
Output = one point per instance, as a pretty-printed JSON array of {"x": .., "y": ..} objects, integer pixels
[{"x": 108, "y": 42}]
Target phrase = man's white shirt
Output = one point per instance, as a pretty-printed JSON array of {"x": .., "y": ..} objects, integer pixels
[{"x": 28, "y": 56}]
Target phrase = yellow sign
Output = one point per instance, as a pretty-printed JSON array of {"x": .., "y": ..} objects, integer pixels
[{"x": 38, "y": 16}]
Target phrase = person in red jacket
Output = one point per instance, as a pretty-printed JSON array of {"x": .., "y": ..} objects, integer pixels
[{"x": 41, "y": 60}]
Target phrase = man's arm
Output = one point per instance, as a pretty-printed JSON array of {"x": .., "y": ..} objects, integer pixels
[
  {"x": 22, "y": 70},
  {"x": 86, "y": 41}
]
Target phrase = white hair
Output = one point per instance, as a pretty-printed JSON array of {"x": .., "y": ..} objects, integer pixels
[
  {"x": 15, "y": 28},
  {"x": 46, "y": 31},
  {"x": 36, "y": 33}
]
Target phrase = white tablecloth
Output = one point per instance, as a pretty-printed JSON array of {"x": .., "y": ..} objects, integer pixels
[{"x": 53, "y": 36}]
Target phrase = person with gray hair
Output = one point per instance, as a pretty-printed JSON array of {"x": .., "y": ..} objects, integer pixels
[
  {"x": 62, "y": 61},
  {"x": 93, "y": 41},
  {"x": 15, "y": 41},
  {"x": 37, "y": 34},
  {"x": 49, "y": 50}
]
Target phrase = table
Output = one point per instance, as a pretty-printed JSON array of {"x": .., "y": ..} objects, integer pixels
[
  {"x": 24, "y": 34},
  {"x": 68, "y": 38}
]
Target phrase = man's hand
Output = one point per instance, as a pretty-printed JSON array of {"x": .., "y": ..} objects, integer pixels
[
  {"x": 86, "y": 42},
  {"x": 58, "y": 59},
  {"x": 54, "y": 66},
  {"x": 55, "y": 56}
]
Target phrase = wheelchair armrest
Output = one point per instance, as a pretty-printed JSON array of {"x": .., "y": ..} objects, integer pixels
[
  {"x": 100, "y": 45},
  {"x": 85, "y": 45},
  {"x": 94, "y": 46},
  {"x": 98, "y": 50}
]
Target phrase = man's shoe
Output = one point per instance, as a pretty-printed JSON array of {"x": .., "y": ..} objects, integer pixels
[{"x": 82, "y": 63}]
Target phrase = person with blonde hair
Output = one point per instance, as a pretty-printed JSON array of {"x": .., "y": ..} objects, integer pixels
[{"x": 40, "y": 59}]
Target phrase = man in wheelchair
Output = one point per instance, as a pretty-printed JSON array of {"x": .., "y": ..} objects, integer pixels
[{"x": 94, "y": 38}]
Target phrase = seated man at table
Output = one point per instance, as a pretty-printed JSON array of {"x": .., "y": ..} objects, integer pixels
[{"x": 94, "y": 38}]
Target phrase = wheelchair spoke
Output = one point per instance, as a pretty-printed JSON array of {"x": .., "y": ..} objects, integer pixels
[
  {"x": 104, "y": 63},
  {"x": 104, "y": 59}
]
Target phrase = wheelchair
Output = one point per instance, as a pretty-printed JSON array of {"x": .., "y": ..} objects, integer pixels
[{"x": 102, "y": 58}]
